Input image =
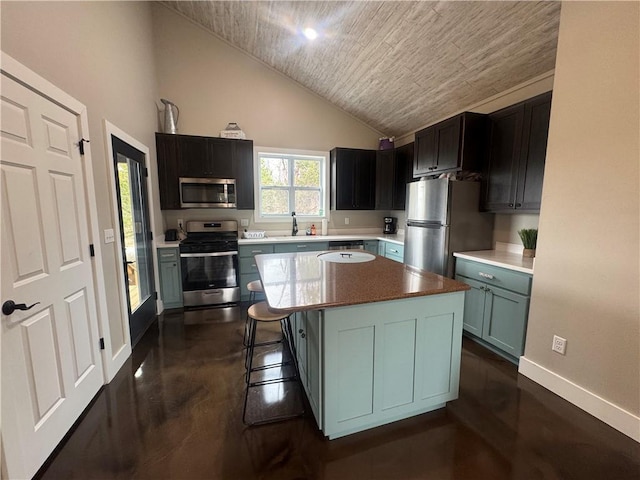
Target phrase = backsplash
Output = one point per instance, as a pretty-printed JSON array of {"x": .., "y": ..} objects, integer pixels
[{"x": 506, "y": 226}]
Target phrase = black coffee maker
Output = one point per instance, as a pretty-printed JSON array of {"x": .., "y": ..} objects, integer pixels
[{"x": 390, "y": 225}]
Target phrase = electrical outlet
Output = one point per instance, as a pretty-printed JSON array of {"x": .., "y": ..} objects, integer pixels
[
  {"x": 244, "y": 222},
  {"x": 559, "y": 344},
  {"x": 346, "y": 220},
  {"x": 180, "y": 224}
]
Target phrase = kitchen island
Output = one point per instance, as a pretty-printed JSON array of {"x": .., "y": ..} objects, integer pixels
[{"x": 376, "y": 341}]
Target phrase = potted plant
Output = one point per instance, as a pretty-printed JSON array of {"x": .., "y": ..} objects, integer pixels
[{"x": 529, "y": 237}]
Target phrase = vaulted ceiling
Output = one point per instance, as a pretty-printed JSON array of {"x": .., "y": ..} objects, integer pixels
[{"x": 395, "y": 65}]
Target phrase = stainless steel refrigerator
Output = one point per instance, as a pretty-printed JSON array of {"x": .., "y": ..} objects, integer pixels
[{"x": 443, "y": 217}]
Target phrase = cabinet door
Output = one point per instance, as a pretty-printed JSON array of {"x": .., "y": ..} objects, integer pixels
[
  {"x": 371, "y": 246},
  {"x": 533, "y": 153},
  {"x": 384, "y": 179},
  {"x": 220, "y": 153},
  {"x": 448, "y": 145},
  {"x": 403, "y": 174},
  {"x": 170, "y": 278},
  {"x": 425, "y": 152},
  {"x": 505, "y": 320},
  {"x": 365, "y": 180},
  {"x": 343, "y": 168},
  {"x": 353, "y": 177},
  {"x": 382, "y": 246},
  {"x": 314, "y": 362},
  {"x": 300, "y": 334},
  {"x": 243, "y": 164},
  {"x": 504, "y": 153},
  {"x": 473, "y": 306},
  {"x": 192, "y": 154},
  {"x": 168, "y": 177}
]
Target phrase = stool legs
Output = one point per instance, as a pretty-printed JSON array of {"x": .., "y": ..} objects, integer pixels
[{"x": 285, "y": 325}]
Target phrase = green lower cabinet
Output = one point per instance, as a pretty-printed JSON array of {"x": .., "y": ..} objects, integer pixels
[
  {"x": 389, "y": 360},
  {"x": 170, "y": 277},
  {"x": 371, "y": 246},
  {"x": 301, "y": 247},
  {"x": 394, "y": 251},
  {"x": 381, "y": 246},
  {"x": 496, "y": 316},
  {"x": 306, "y": 330}
]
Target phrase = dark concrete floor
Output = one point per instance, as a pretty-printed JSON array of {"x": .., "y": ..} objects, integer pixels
[{"x": 174, "y": 411}]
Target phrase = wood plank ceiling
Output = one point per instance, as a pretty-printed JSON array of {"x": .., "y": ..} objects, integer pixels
[{"x": 397, "y": 66}]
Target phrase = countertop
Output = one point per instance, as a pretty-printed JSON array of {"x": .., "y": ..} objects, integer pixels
[
  {"x": 301, "y": 281},
  {"x": 398, "y": 238},
  {"x": 504, "y": 256}
]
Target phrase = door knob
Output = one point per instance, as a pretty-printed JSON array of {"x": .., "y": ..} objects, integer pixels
[{"x": 10, "y": 306}]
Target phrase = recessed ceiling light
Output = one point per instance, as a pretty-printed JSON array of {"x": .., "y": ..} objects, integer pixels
[{"x": 310, "y": 33}]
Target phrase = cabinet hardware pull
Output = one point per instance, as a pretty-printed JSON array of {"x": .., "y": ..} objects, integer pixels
[
  {"x": 303, "y": 335},
  {"x": 256, "y": 251},
  {"x": 518, "y": 205},
  {"x": 302, "y": 246},
  {"x": 486, "y": 275},
  {"x": 300, "y": 331},
  {"x": 511, "y": 205}
]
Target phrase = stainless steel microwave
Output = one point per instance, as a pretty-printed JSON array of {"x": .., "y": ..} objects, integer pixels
[{"x": 207, "y": 192}]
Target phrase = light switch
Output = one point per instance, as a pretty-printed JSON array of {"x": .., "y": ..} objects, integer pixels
[
  {"x": 244, "y": 222},
  {"x": 109, "y": 236}
]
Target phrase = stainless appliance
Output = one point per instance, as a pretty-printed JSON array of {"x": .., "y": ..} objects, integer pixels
[
  {"x": 171, "y": 115},
  {"x": 207, "y": 192},
  {"x": 443, "y": 217},
  {"x": 209, "y": 263},
  {"x": 390, "y": 225},
  {"x": 346, "y": 245}
]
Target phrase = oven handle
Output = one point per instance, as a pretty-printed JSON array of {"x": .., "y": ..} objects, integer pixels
[{"x": 212, "y": 254}]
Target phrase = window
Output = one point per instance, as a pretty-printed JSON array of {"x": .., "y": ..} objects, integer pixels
[{"x": 290, "y": 181}]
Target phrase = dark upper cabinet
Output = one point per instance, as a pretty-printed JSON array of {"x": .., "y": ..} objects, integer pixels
[
  {"x": 385, "y": 164},
  {"x": 353, "y": 179},
  {"x": 203, "y": 157},
  {"x": 517, "y": 150},
  {"x": 167, "y": 154},
  {"x": 393, "y": 170},
  {"x": 452, "y": 145},
  {"x": 243, "y": 164}
]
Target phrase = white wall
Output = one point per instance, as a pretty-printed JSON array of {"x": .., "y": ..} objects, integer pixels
[
  {"x": 101, "y": 54},
  {"x": 586, "y": 284},
  {"x": 214, "y": 83}
]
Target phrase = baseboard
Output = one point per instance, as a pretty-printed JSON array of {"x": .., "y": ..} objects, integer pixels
[{"x": 602, "y": 409}]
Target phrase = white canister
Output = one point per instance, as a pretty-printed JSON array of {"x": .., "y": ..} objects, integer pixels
[{"x": 325, "y": 226}]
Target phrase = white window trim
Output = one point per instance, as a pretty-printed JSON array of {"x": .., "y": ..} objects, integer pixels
[{"x": 289, "y": 151}]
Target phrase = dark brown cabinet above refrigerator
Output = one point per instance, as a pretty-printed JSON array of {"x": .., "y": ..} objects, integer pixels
[
  {"x": 517, "y": 151},
  {"x": 393, "y": 172},
  {"x": 203, "y": 157},
  {"x": 353, "y": 179},
  {"x": 452, "y": 145}
]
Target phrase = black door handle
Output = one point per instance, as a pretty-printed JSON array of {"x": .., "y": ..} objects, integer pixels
[{"x": 10, "y": 306}]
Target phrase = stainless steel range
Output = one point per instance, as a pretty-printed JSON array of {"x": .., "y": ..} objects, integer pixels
[{"x": 209, "y": 261}]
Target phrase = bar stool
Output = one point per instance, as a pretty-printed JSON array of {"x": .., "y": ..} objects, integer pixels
[
  {"x": 254, "y": 288},
  {"x": 260, "y": 312}
]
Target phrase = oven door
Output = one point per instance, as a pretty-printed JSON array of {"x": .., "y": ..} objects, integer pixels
[{"x": 209, "y": 278}]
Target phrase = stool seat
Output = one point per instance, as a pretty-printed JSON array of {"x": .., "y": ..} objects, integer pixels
[
  {"x": 255, "y": 286},
  {"x": 261, "y": 312}
]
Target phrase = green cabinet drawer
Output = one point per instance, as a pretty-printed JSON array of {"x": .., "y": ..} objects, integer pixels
[
  {"x": 301, "y": 247},
  {"x": 394, "y": 251},
  {"x": 496, "y": 276},
  {"x": 251, "y": 250},
  {"x": 168, "y": 255}
]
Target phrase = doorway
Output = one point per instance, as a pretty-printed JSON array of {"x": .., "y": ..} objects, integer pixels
[{"x": 135, "y": 235}]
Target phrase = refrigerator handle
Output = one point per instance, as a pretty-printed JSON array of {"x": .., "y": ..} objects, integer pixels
[{"x": 424, "y": 224}]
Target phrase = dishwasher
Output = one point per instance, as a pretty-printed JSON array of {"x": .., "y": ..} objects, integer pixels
[{"x": 346, "y": 245}]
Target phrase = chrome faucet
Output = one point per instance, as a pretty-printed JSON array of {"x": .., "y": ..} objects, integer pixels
[{"x": 294, "y": 228}]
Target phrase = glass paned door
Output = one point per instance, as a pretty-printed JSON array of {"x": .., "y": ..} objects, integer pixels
[{"x": 137, "y": 251}]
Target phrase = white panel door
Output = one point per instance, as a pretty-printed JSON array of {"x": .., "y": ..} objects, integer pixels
[{"x": 51, "y": 365}]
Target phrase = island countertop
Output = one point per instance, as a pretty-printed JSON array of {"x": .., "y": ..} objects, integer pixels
[{"x": 301, "y": 281}]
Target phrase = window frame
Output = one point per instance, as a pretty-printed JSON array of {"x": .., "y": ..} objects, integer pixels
[{"x": 289, "y": 152}]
